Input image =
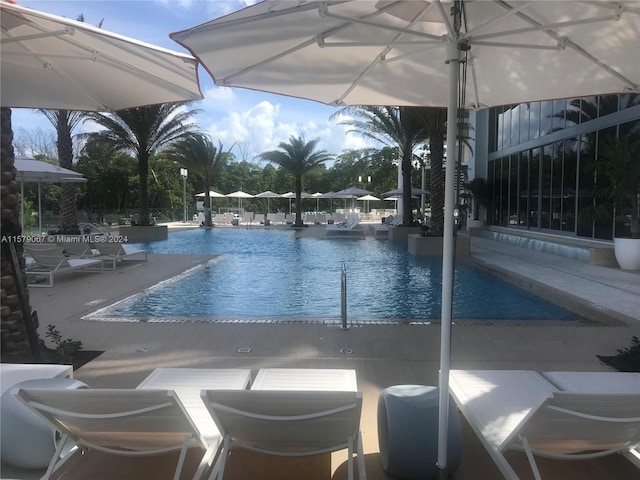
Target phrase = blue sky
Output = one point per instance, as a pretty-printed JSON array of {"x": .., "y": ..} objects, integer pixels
[{"x": 256, "y": 121}]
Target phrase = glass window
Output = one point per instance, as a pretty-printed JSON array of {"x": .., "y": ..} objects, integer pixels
[
  {"x": 555, "y": 194},
  {"x": 545, "y": 187},
  {"x": 523, "y": 189},
  {"x": 546, "y": 117},
  {"x": 500, "y": 129},
  {"x": 607, "y": 105},
  {"x": 534, "y": 188},
  {"x": 534, "y": 120},
  {"x": 558, "y": 120},
  {"x": 524, "y": 122},
  {"x": 513, "y": 191},
  {"x": 569, "y": 179},
  {"x": 515, "y": 124}
]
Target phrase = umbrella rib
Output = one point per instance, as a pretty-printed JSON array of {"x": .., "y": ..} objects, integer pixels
[
  {"x": 566, "y": 42},
  {"x": 36, "y": 36},
  {"x": 324, "y": 11}
]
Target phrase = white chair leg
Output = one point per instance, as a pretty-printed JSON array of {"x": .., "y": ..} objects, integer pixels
[{"x": 532, "y": 460}]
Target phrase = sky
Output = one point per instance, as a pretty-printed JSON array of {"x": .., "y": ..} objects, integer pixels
[{"x": 256, "y": 122}]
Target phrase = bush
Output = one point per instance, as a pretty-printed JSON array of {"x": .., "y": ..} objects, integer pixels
[{"x": 627, "y": 359}]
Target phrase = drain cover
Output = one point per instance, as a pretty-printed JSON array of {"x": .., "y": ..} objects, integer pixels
[
  {"x": 346, "y": 351},
  {"x": 244, "y": 350},
  {"x": 142, "y": 350}
]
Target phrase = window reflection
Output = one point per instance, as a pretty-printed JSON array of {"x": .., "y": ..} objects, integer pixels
[{"x": 555, "y": 186}]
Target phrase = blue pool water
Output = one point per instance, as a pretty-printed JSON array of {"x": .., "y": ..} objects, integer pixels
[{"x": 267, "y": 273}]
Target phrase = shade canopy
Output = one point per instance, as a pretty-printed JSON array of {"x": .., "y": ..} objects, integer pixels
[
  {"x": 351, "y": 192},
  {"x": 415, "y": 192},
  {"x": 393, "y": 53},
  {"x": 32, "y": 170},
  {"x": 368, "y": 198},
  {"x": 36, "y": 171},
  {"x": 268, "y": 194},
  {"x": 212, "y": 194},
  {"x": 52, "y": 62},
  {"x": 414, "y": 53},
  {"x": 239, "y": 194}
]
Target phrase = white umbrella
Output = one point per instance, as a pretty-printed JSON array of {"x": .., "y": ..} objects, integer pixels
[
  {"x": 212, "y": 194},
  {"x": 268, "y": 194},
  {"x": 32, "y": 170},
  {"x": 55, "y": 63},
  {"x": 410, "y": 53},
  {"x": 239, "y": 195},
  {"x": 318, "y": 196},
  {"x": 368, "y": 198}
]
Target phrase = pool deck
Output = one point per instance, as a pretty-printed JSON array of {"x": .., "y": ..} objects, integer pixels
[{"x": 382, "y": 355}]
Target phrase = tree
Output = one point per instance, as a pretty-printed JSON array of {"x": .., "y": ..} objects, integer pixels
[
  {"x": 297, "y": 157},
  {"x": 144, "y": 131},
  {"x": 392, "y": 126},
  {"x": 434, "y": 123},
  {"x": 198, "y": 154},
  {"x": 64, "y": 121}
]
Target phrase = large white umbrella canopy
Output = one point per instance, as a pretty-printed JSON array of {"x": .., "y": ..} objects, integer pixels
[
  {"x": 32, "y": 170},
  {"x": 410, "y": 53},
  {"x": 55, "y": 63}
]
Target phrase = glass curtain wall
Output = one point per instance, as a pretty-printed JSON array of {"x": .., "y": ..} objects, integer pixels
[{"x": 547, "y": 179}]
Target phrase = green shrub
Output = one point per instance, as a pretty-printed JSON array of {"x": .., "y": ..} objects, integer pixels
[
  {"x": 627, "y": 359},
  {"x": 65, "y": 349}
]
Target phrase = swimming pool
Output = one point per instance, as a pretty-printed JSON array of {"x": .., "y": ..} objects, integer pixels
[{"x": 264, "y": 274}]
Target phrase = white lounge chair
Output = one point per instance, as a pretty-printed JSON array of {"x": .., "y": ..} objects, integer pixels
[
  {"x": 188, "y": 383},
  {"x": 113, "y": 252},
  {"x": 287, "y": 423},
  {"x": 350, "y": 226},
  {"x": 48, "y": 260},
  {"x": 78, "y": 247},
  {"x": 516, "y": 409},
  {"x": 120, "y": 422}
]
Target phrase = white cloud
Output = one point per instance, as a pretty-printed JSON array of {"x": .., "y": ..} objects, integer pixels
[{"x": 265, "y": 125}]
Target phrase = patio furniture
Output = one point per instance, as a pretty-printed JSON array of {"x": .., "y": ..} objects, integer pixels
[
  {"x": 113, "y": 252},
  {"x": 49, "y": 260},
  {"x": 408, "y": 432},
  {"x": 327, "y": 379},
  {"x": 517, "y": 409},
  {"x": 12, "y": 373},
  {"x": 116, "y": 421},
  {"x": 188, "y": 383},
  {"x": 27, "y": 440},
  {"x": 287, "y": 423}
]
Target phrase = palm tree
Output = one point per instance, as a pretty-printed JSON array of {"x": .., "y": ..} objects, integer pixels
[
  {"x": 393, "y": 126},
  {"x": 197, "y": 153},
  {"x": 64, "y": 121},
  {"x": 297, "y": 157},
  {"x": 434, "y": 123},
  {"x": 144, "y": 131}
]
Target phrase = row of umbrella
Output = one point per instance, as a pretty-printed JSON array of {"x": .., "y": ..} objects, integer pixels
[{"x": 351, "y": 192}]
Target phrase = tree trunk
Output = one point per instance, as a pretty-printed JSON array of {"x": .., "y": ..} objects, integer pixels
[
  {"x": 407, "y": 213},
  {"x": 68, "y": 211},
  {"x": 15, "y": 345},
  {"x": 143, "y": 173},
  {"x": 207, "y": 204},
  {"x": 298, "y": 201}
]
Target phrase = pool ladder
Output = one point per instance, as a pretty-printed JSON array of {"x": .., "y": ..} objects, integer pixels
[{"x": 344, "y": 298}]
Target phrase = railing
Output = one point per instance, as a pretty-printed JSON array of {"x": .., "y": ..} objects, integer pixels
[{"x": 344, "y": 298}]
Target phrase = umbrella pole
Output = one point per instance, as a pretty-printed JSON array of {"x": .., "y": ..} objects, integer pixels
[
  {"x": 22, "y": 207},
  {"x": 447, "y": 259}
]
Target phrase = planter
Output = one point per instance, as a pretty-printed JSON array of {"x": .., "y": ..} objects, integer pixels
[
  {"x": 142, "y": 234},
  {"x": 627, "y": 251}
]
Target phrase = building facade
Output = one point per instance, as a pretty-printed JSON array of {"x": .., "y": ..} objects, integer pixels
[{"x": 541, "y": 162}]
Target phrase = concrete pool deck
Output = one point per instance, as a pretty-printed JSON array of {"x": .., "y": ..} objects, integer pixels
[{"x": 382, "y": 355}]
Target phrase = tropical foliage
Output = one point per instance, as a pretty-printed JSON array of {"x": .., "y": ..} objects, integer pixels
[
  {"x": 399, "y": 127},
  {"x": 144, "y": 131},
  {"x": 298, "y": 157},
  {"x": 199, "y": 155}
]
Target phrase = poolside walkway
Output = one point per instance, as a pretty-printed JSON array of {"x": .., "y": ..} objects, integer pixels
[{"x": 382, "y": 355}]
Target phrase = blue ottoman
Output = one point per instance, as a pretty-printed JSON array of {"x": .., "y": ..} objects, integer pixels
[
  {"x": 408, "y": 432},
  {"x": 26, "y": 440}
]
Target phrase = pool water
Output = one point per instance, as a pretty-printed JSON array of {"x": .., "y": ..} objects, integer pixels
[{"x": 268, "y": 273}]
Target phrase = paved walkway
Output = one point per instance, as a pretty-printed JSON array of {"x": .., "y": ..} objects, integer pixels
[{"x": 382, "y": 355}]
